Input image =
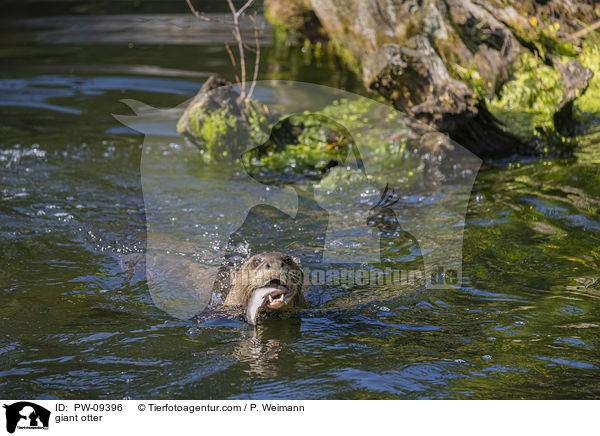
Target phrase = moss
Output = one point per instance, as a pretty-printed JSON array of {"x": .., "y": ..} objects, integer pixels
[
  {"x": 298, "y": 158},
  {"x": 309, "y": 145},
  {"x": 350, "y": 112},
  {"x": 469, "y": 75},
  {"x": 220, "y": 132},
  {"x": 549, "y": 43},
  {"x": 347, "y": 57},
  {"x": 290, "y": 43},
  {"x": 221, "y": 135},
  {"x": 284, "y": 36},
  {"x": 543, "y": 39},
  {"x": 535, "y": 88},
  {"x": 590, "y": 58},
  {"x": 535, "y": 92},
  {"x": 300, "y": 144},
  {"x": 258, "y": 121},
  {"x": 534, "y": 95}
]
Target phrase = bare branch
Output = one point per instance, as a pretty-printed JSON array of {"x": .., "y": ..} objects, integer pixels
[
  {"x": 193, "y": 9},
  {"x": 250, "y": 49},
  {"x": 204, "y": 17},
  {"x": 240, "y": 72},
  {"x": 243, "y": 8},
  {"x": 238, "y": 38},
  {"x": 586, "y": 30},
  {"x": 256, "y": 56},
  {"x": 232, "y": 58}
]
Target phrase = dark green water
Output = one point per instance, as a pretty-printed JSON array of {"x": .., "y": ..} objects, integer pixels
[{"x": 76, "y": 324}]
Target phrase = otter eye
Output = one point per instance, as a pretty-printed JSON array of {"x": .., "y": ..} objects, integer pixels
[
  {"x": 288, "y": 260},
  {"x": 256, "y": 262}
]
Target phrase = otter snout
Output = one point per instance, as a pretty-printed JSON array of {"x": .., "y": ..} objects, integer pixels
[{"x": 268, "y": 281}]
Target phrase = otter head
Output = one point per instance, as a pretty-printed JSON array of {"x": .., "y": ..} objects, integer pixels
[{"x": 267, "y": 281}]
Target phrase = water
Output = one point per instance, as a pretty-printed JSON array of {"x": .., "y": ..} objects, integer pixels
[{"x": 77, "y": 319}]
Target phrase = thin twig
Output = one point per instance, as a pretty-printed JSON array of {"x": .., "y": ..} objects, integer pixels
[
  {"x": 250, "y": 49},
  {"x": 256, "y": 56},
  {"x": 243, "y": 8},
  {"x": 233, "y": 63},
  {"x": 204, "y": 17},
  {"x": 586, "y": 30},
  {"x": 238, "y": 37},
  {"x": 194, "y": 11},
  {"x": 240, "y": 72}
]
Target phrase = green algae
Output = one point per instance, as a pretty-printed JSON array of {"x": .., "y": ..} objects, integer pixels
[
  {"x": 529, "y": 101},
  {"x": 590, "y": 57},
  {"x": 536, "y": 88},
  {"x": 220, "y": 135}
]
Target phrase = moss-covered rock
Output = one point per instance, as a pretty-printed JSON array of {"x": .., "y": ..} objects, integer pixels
[
  {"x": 544, "y": 97},
  {"x": 300, "y": 145},
  {"x": 220, "y": 125},
  {"x": 484, "y": 46},
  {"x": 295, "y": 17},
  {"x": 589, "y": 57},
  {"x": 317, "y": 145}
]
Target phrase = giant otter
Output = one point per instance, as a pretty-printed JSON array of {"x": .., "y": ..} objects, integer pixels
[{"x": 267, "y": 282}]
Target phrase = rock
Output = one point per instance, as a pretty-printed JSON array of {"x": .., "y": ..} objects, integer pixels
[
  {"x": 461, "y": 31},
  {"x": 405, "y": 46},
  {"x": 300, "y": 145},
  {"x": 576, "y": 79},
  {"x": 209, "y": 96},
  {"x": 415, "y": 79},
  {"x": 297, "y": 15},
  {"x": 219, "y": 124},
  {"x": 441, "y": 59}
]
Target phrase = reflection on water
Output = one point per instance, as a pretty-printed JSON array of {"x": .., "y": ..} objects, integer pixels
[
  {"x": 39, "y": 91},
  {"x": 138, "y": 29},
  {"x": 78, "y": 321}
]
